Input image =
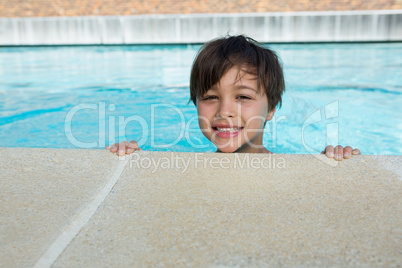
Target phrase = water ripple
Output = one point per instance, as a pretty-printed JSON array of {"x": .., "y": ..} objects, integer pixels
[
  {"x": 30, "y": 114},
  {"x": 389, "y": 90}
]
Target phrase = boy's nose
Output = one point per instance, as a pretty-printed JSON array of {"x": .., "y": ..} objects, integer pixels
[{"x": 227, "y": 109}]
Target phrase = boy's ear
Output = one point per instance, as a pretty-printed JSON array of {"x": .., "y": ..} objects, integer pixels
[{"x": 271, "y": 114}]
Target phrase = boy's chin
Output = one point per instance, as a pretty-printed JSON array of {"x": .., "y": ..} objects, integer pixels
[{"x": 227, "y": 149}]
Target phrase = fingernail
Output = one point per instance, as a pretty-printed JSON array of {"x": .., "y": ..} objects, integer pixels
[
  {"x": 347, "y": 154},
  {"x": 129, "y": 149},
  {"x": 331, "y": 154},
  {"x": 338, "y": 156}
]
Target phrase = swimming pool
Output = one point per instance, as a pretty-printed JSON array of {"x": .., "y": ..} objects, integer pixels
[{"x": 91, "y": 96}]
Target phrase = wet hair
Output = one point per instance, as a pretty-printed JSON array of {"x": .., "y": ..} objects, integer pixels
[{"x": 218, "y": 56}]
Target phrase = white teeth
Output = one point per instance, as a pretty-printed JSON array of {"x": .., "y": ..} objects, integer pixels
[{"x": 234, "y": 129}]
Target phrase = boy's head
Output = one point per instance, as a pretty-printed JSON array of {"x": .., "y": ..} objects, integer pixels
[
  {"x": 236, "y": 85},
  {"x": 218, "y": 56}
]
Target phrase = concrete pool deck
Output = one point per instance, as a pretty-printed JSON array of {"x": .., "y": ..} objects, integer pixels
[{"x": 77, "y": 208}]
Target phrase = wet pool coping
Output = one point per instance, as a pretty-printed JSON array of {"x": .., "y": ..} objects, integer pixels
[{"x": 62, "y": 207}]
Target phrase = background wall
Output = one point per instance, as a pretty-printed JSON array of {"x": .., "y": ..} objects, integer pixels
[{"x": 50, "y": 8}]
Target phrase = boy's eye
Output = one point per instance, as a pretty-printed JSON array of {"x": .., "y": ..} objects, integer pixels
[
  {"x": 243, "y": 97},
  {"x": 209, "y": 98}
]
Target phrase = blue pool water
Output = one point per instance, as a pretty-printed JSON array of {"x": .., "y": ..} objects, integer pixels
[{"x": 74, "y": 97}]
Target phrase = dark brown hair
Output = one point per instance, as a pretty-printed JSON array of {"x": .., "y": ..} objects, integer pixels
[{"x": 218, "y": 56}]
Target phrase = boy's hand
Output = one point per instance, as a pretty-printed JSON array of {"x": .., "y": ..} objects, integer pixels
[
  {"x": 339, "y": 153},
  {"x": 124, "y": 148}
]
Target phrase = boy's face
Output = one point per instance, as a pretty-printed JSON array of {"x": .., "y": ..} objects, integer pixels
[{"x": 233, "y": 112}]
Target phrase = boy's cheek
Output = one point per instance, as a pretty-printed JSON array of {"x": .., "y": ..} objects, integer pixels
[
  {"x": 202, "y": 109},
  {"x": 204, "y": 126},
  {"x": 203, "y": 116}
]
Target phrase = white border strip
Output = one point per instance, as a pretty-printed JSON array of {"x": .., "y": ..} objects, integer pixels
[
  {"x": 80, "y": 219},
  {"x": 283, "y": 27}
]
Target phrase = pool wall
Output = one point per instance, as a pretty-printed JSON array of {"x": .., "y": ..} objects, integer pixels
[{"x": 325, "y": 26}]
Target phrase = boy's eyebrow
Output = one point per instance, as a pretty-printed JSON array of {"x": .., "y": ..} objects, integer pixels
[
  {"x": 246, "y": 87},
  {"x": 213, "y": 88},
  {"x": 238, "y": 87}
]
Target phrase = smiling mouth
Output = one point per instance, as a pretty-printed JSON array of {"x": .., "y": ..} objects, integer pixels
[
  {"x": 227, "y": 129},
  {"x": 227, "y": 132}
]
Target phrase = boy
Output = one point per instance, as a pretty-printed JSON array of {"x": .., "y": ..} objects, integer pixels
[{"x": 236, "y": 85}]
